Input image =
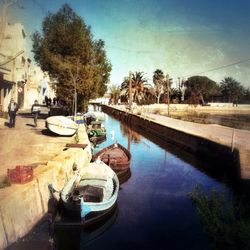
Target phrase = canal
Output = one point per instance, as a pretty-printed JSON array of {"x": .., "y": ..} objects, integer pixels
[{"x": 153, "y": 209}]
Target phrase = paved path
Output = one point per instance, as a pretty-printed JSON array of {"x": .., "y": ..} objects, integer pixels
[
  {"x": 27, "y": 145},
  {"x": 234, "y": 138},
  {"x": 228, "y": 136}
]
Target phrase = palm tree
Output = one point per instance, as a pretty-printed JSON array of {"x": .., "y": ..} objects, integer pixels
[
  {"x": 115, "y": 92},
  {"x": 137, "y": 86},
  {"x": 231, "y": 89},
  {"x": 158, "y": 80}
]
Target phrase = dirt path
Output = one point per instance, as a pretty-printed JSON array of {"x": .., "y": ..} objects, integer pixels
[{"x": 27, "y": 145}]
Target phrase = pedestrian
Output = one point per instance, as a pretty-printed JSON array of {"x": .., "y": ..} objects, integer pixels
[
  {"x": 35, "y": 110},
  {"x": 46, "y": 100},
  {"x": 12, "y": 110}
]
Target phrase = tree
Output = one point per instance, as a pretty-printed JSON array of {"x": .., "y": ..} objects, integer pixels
[
  {"x": 200, "y": 88},
  {"x": 162, "y": 85},
  {"x": 246, "y": 97},
  {"x": 149, "y": 96},
  {"x": 158, "y": 80},
  {"x": 66, "y": 50},
  {"x": 176, "y": 95},
  {"x": 115, "y": 93},
  {"x": 137, "y": 87},
  {"x": 231, "y": 89}
]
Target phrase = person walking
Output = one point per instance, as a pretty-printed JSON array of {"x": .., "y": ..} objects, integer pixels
[
  {"x": 12, "y": 110},
  {"x": 35, "y": 110}
]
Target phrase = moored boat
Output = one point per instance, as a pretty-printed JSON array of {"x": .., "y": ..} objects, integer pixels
[
  {"x": 116, "y": 156},
  {"x": 99, "y": 115},
  {"x": 92, "y": 193},
  {"x": 96, "y": 132},
  {"x": 97, "y": 139},
  {"x": 61, "y": 125}
]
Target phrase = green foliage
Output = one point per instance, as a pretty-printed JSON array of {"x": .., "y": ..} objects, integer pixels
[
  {"x": 138, "y": 87},
  {"x": 227, "y": 225},
  {"x": 162, "y": 83},
  {"x": 231, "y": 89},
  {"x": 115, "y": 92},
  {"x": 246, "y": 96},
  {"x": 67, "y": 51},
  {"x": 200, "y": 88}
]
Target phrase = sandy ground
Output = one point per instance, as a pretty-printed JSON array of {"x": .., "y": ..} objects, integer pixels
[{"x": 27, "y": 145}]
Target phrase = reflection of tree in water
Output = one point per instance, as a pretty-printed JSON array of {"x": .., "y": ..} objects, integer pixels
[{"x": 132, "y": 135}]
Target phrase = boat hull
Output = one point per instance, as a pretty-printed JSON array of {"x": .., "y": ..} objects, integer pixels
[
  {"x": 99, "y": 175},
  {"x": 116, "y": 156},
  {"x": 61, "y": 125}
]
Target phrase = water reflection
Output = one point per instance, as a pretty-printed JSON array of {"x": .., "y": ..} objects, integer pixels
[
  {"x": 76, "y": 238},
  {"x": 212, "y": 169},
  {"x": 154, "y": 209}
]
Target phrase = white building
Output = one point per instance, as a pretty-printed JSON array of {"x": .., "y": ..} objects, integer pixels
[
  {"x": 14, "y": 65},
  {"x": 39, "y": 87},
  {"x": 18, "y": 78}
]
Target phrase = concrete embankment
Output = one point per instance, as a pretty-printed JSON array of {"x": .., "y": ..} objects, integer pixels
[
  {"x": 23, "y": 205},
  {"x": 224, "y": 146}
]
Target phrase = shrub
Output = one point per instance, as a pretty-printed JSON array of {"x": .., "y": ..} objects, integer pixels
[{"x": 227, "y": 225}]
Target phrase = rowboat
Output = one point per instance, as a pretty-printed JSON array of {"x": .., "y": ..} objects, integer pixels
[
  {"x": 100, "y": 116},
  {"x": 116, "y": 156},
  {"x": 96, "y": 132},
  {"x": 92, "y": 193},
  {"x": 61, "y": 125}
]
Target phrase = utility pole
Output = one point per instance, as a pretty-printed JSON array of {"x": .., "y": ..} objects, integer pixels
[
  {"x": 129, "y": 92},
  {"x": 167, "y": 79},
  {"x": 168, "y": 96}
]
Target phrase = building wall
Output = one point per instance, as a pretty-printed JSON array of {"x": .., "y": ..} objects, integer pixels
[
  {"x": 13, "y": 48},
  {"x": 26, "y": 83}
]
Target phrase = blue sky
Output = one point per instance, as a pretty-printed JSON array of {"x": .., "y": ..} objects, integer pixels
[{"x": 181, "y": 37}]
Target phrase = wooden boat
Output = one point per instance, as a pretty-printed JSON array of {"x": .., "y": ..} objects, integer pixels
[
  {"x": 89, "y": 117},
  {"x": 92, "y": 193},
  {"x": 116, "y": 156},
  {"x": 97, "y": 139},
  {"x": 96, "y": 132},
  {"x": 99, "y": 115},
  {"x": 61, "y": 125}
]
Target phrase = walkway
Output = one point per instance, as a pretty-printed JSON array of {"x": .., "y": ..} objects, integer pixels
[
  {"x": 27, "y": 145},
  {"x": 234, "y": 138}
]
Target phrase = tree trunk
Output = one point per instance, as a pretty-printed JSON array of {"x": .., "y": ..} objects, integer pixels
[{"x": 158, "y": 99}]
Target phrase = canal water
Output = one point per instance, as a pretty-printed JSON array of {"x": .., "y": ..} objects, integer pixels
[{"x": 153, "y": 209}]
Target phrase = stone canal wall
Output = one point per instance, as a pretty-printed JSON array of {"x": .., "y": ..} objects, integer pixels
[
  {"x": 200, "y": 146},
  {"x": 23, "y": 205}
]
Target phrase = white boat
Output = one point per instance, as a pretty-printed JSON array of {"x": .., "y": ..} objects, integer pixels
[
  {"x": 100, "y": 116},
  {"x": 61, "y": 125},
  {"x": 91, "y": 193}
]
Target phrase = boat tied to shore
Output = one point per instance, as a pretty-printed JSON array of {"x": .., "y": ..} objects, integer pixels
[
  {"x": 91, "y": 193},
  {"x": 96, "y": 132},
  {"x": 61, "y": 125},
  {"x": 116, "y": 156}
]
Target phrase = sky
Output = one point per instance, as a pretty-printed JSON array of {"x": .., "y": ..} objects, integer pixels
[{"x": 181, "y": 37}]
